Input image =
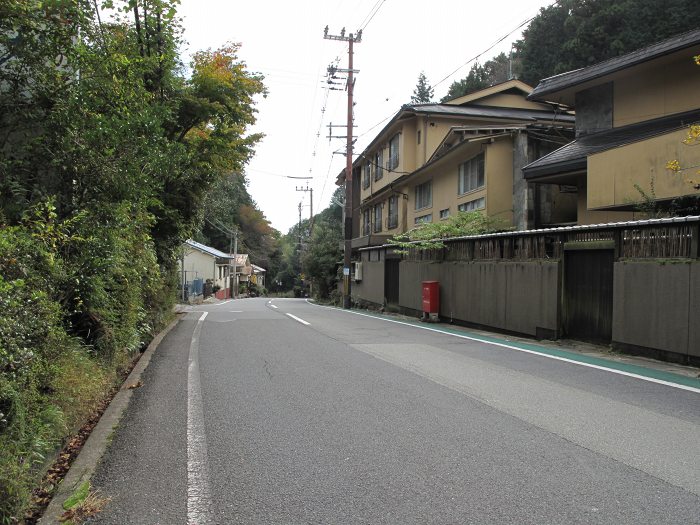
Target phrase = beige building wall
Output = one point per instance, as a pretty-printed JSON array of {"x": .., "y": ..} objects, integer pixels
[
  {"x": 657, "y": 89},
  {"x": 507, "y": 100},
  {"x": 200, "y": 266},
  {"x": 612, "y": 174},
  {"x": 499, "y": 180}
]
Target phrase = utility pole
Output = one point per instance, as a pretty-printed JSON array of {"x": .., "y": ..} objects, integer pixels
[
  {"x": 350, "y": 39},
  {"x": 311, "y": 212},
  {"x": 299, "y": 228}
]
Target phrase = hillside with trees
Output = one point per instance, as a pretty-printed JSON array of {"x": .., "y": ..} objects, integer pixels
[
  {"x": 108, "y": 152},
  {"x": 572, "y": 34}
]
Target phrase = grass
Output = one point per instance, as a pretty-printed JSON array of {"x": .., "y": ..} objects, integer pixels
[{"x": 82, "y": 504}]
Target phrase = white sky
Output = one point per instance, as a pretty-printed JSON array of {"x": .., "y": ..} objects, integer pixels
[{"x": 283, "y": 40}]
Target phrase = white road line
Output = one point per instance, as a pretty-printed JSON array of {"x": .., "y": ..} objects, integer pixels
[
  {"x": 198, "y": 491},
  {"x": 533, "y": 352},
  {"x": 297, "y": 319},
  {"x": 219, "y": 304},
  {"x": 273, "y": 306}
]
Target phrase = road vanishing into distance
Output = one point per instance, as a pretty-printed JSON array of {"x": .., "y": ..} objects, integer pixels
[{"x": 285, "y": 412}]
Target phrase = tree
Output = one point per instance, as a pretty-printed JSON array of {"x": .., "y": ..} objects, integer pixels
[
  {"x": 106, "y": 154},
  {"x": 430, "y": 235},
  {"x": 320, "y": 261},
  {"x": 494, "y": 71},
  {"x": 423, "y": 92},
  {"x": 572, "y": 34}
]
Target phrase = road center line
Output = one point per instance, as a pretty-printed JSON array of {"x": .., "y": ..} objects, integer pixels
[
  {"x": 198, "y": 491},
  {"x": 298, "y": 319},
  {"x": 273, "y": 306}
]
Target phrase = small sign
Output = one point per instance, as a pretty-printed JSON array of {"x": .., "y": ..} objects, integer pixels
[{"x": 346, "y": 271}]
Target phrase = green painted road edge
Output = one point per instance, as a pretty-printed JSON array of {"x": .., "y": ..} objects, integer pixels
[{"x": 638, "y": 370}]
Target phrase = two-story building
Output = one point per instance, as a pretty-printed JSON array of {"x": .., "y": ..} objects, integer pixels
[
  {"x": 632, "y": 115},
  {"x": 433, "y": 160}
]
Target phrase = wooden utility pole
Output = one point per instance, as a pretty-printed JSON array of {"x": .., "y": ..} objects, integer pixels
[
  {"x": 347, "y": 256},
  {"x": 311, "y": 204}
]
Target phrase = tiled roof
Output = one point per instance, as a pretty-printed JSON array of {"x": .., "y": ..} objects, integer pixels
[
  {"x": 572, "y": 157},
  {"x": 579, "y": 76},
  {"x": 493, "y": 112}
]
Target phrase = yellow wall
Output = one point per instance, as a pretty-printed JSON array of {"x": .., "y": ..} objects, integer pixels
[
  {"x": 656, "y": 90},
  {"x": 586, "y": 216},
  {"x": 499, "y": 179},
  {"x": 612, "y": 174},
  {"x": 507, "y": 100},
  {"x": 498, "y": 188}
]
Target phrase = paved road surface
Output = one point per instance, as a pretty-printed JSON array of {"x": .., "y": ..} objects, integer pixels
[{"x": 258, "y": 411}]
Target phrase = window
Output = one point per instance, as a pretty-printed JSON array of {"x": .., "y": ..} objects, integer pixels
[
  {"x": 471, "y": 174},
  {"x": 366, "y": 173},
  {"x": 424, "y": 195},
  {"x": 418, "y": 137},
  {"x": 394, "y": 152},
  {"x": 476, "y": 204},
  {"x": 378, "y": 218},
  {"x": 366, "y": 222},
  {"x": 444, "y": 214},
  {"x": 423, "y": 218},
  {"x": 393, "y": 219},
  {"x": 379, "y": 165}
]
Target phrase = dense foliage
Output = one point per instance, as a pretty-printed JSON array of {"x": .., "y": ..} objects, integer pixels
[
  {"x": 493, "y": 71},
  {"x": 430, "y": 235},
  {"x": 107, "y": 153},
  {"x": 571, "y": 34}
]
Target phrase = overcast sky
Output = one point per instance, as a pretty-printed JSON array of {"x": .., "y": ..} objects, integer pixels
[{"x": 283, "y": 40}]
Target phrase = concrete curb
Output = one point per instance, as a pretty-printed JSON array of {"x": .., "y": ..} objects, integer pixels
[{"x": 89, "y": 457}]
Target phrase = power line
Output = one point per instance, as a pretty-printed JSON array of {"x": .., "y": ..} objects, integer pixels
[
  {"x": 492, "y": 46},
  {"x": 371, "y": 14}
]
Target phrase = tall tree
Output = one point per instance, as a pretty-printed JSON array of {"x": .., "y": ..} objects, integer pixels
[
  {"x": 572, "y": 34},
  {"x": 494, "y": 71},
  {"x": 423, "y": 92}
]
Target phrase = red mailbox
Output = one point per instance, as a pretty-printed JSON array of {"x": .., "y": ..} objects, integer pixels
[{"x": 431, "y": 299}]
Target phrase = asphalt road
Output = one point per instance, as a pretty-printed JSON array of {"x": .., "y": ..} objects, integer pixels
[{"x": 259, "y": 411}]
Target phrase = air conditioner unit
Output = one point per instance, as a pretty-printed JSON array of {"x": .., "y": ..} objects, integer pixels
[{"x": 358, "y": 271}]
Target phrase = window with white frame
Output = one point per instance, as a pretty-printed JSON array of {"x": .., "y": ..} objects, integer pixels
[
  {"x": 424, "y": 195},
  {"x": 476, "y": 204},
  {"x": 366, "y": 222},
  {"x": 394, "y": 152},
  {"x": 393, "y": 215},
  {"x": 378, "y": 165},
  {"x": 366, "y": 174},
  {"x": 423, "y": 218},
  {"x": 378, "y": 218},
  {"x": 471, "y": 174}
]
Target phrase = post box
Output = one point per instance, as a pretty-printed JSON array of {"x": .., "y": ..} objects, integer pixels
[{"x": 431, "y": 300}]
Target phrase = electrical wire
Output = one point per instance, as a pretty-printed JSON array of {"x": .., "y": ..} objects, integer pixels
[{"x": 371, "y": 14}]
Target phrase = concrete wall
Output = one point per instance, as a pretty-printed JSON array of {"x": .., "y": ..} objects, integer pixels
[
  {"x": 594, "y": 109},
  {"x": 514, "y": 296},
  {"x": 656, "y": 305},
  {"x": 371, "y": 287}
]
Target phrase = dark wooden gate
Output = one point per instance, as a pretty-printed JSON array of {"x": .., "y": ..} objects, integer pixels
[
  {"x": 588, "y": 294},
  {"x": 391, "y": 281}
]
